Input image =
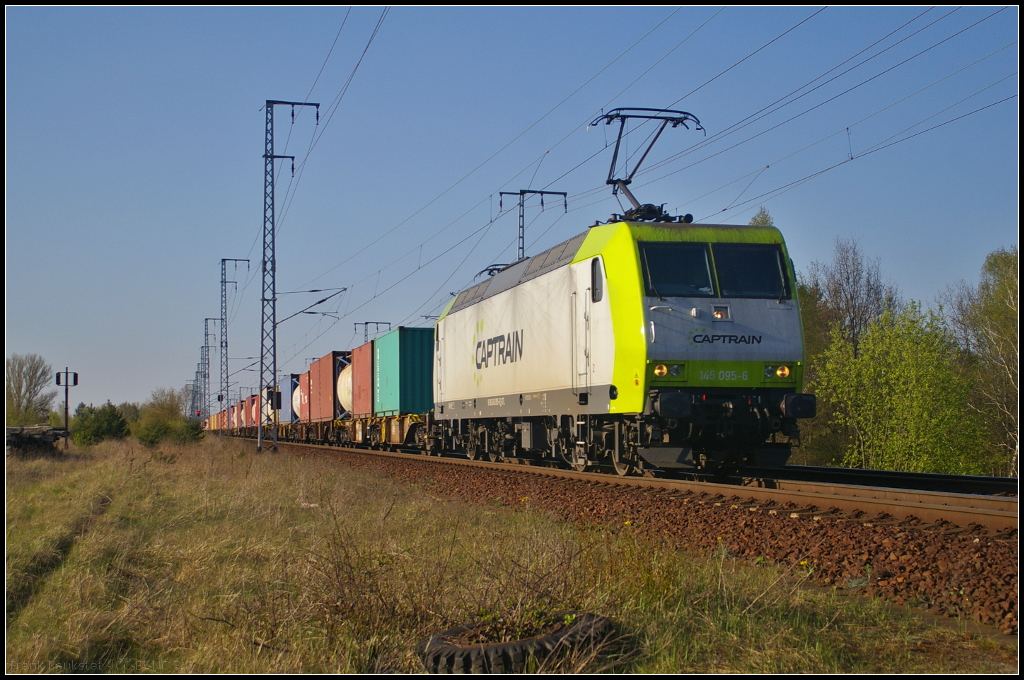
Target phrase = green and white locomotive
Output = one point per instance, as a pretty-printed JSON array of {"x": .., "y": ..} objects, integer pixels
[
  {"x": 647, "y": 342},
  {"x": 675, "y": 344}
]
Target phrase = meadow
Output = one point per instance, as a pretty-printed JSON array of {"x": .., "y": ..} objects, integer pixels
[{"x": 211, "y": 558}]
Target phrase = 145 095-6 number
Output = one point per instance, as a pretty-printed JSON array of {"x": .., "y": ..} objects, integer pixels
[{"x": 724, "y": 375}]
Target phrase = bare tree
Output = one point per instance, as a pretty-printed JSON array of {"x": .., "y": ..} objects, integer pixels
[
  {"x": 850, "y": 290},
  {"x": 27, "y": 376}
]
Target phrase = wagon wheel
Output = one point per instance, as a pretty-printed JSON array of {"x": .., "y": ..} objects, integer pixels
[{"x": 472, "y": 446}]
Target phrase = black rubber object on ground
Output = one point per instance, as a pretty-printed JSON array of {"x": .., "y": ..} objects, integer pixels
[{"x": 439, "y": 656}]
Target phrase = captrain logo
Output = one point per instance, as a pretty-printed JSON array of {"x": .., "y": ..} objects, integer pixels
[
  {"x": 700, "y": 336},
  {"x": 495, "y": 351},
  {"x": 501, "y": 349}
]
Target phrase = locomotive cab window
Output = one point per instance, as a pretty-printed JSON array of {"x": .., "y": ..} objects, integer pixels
[
  {"x": 676, "y": 269},
  {"x": 596, "y": 281},
  {"x": 751, "y": 270}
]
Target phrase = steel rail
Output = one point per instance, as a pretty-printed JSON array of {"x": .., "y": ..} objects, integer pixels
[
  {"x": 920, "y": 481},
  {"x": 812, "y": 498}
]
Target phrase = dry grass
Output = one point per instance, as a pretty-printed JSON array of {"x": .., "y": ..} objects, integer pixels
[{"x": 215, "y": 559}]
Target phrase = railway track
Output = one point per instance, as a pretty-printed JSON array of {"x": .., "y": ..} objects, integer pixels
[
  {"x": 920, "y": 481},
  {"x": 950, "y": 554},
  {"x": 856, "y": 498}
]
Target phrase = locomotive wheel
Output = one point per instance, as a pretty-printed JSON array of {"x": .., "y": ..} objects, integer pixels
[
  {"x": 623, "y": 466},
  {"x": 495, "y": 457}
]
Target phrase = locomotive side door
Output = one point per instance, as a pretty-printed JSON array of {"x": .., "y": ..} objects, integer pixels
[{"x": 581, "y": 302}]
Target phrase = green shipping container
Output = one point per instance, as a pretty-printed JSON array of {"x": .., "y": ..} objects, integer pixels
[{"x": 403, "y": 371}]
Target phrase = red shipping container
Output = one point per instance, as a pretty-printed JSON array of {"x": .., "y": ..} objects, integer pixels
[
  {"x": 323, "y": 402},
  {"x": 362, "y": 381}
]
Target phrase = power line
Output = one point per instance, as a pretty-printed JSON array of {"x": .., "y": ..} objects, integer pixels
[
  {"x": 865, "y": 118},
  {"x": 792, "y": 185},
  {"x": 818, "y": 105},
  {"x": 505, "y": 146}
]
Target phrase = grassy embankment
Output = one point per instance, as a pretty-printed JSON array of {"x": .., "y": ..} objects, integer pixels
[{"x": 214, "y": 559}]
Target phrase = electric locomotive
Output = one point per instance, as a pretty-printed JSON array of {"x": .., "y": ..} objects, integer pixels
[
  {"x": 634, "y": 344},
  {"x": 648, "y": 341}
]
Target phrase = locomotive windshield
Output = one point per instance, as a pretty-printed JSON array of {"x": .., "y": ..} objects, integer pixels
[
  {"x": 751, "y": 270},
  {"x": 676, "y": 269}
]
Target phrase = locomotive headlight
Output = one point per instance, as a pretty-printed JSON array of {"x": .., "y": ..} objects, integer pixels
[
  {"x": 769, "y": 371},
  {"x": 661, "y": 370},
  {"x": 673, "y": 370},
  {"x": 782, "y": 371}
]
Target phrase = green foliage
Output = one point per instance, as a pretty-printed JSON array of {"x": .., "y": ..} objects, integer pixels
[
  {"x": 187, "y": 432},
  {"x": 129, "y": 410},
  {"x": 26, "y": 377},
  {"x": 847, "y": 293},
  {"x": 151, "y": 431},
  {"x": 762, "y": 219},
  {"x": 994, "y": 319},
  {"x": 92, "y": 425},
  {"x": 984, "y": 322},
  {"x": 163, "y": 418},
  {"x": 901, "y": 396}
]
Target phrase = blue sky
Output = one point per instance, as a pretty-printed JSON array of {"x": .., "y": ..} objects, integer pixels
[{"x": 135, "y": 141}]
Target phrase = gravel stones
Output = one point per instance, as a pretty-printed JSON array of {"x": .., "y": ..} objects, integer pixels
[{"x": 956, "y": 571}]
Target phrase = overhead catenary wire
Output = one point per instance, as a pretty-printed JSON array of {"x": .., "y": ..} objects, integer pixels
[
  {"x": 331, "y": 110},
  {"x": 818, "y": 173},
  {"x": 773, "y": 40},
  {"x": 714, "y": 137},
  {"x": 792, "y": 118},
  {"x": 865, "y": 118},
  {"x": 761, "y": 168},
  {"x": 499, "y": 151},
  {"x": 820, "y": 104}
]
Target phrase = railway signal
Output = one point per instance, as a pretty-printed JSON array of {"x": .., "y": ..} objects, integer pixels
[{"x": 68, "y": 379}]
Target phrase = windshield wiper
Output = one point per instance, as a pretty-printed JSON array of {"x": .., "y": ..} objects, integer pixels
[{"x": 650, "y": 279}]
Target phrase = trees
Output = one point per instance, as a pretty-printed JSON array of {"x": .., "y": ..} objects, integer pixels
[
  {"x": 762, "y": 219},
  {"x": 163, "y": 417},
  {"x": 838, "y": 300},
  {"x": 92, "y": 425},
  {"x": 27, "y": 377},
  {"x": 901, "y": 396},
  {"x": 984, "y": 322},
  {"x": 850, "y": 291}
]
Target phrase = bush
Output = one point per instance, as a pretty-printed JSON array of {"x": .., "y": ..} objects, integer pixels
[
  {"x": 92, "y": 425},
  {"x": 163, "y": 418},
  {"x": 901, "y": 396}
]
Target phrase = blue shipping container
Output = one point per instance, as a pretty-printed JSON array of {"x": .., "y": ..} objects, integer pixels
[{"x": 403, "y": 372}]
